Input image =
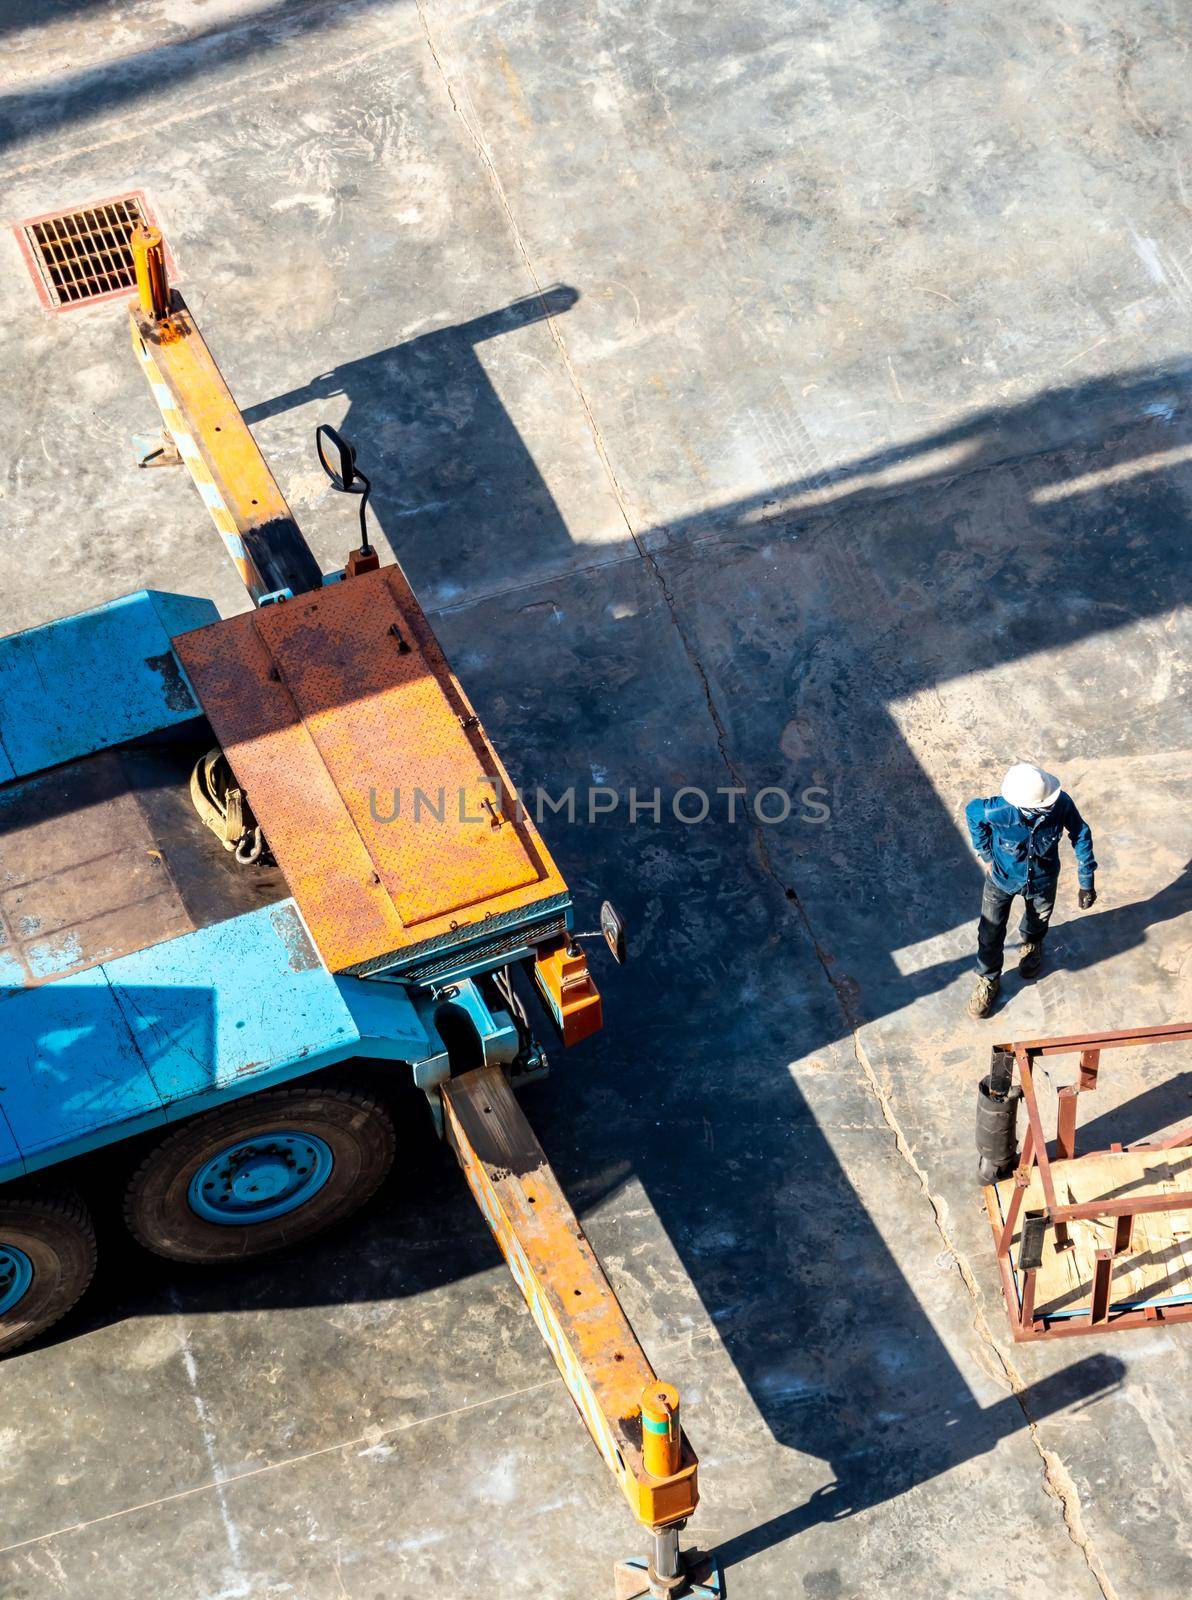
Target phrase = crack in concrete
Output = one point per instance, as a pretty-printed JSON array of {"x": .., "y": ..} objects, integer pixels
[
  {"x": 1057, "y": 1481},
  {"x": 220, "y": 1483},
  {"x": 369, "y": 1439}
]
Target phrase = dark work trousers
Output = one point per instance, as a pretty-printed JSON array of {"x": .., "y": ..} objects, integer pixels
[{"x": 995, "y": 913}]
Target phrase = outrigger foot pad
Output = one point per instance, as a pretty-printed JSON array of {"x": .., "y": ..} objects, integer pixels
[{"x": 699, "y": 1580}]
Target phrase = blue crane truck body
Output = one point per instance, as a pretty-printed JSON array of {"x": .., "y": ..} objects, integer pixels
[
  {"x": 147, "y": 975},
  {"x": 138, "y": 983},
  {"x": 223, "y": 940}
]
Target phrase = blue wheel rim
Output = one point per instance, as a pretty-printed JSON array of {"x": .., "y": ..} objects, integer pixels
[
  {"x": 16, "y": 1274},
  {"x": 258, "y": 1179}
]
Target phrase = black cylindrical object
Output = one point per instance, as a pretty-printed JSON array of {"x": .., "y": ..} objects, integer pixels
[{"x": 997, "y": 1130}]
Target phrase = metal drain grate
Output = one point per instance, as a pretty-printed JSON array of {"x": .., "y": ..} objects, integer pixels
[{"x": 78, "y": 257}]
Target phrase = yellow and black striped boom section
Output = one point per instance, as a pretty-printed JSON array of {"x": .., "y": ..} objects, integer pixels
[{"x": 212, "y": 438}]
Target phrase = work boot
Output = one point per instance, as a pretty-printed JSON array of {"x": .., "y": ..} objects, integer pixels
[
  {"x": 1030, "y": 959},
  {"x": 982, "y": 998}
]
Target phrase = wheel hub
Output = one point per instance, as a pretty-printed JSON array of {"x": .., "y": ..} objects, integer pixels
[
  {"x": 16, "y": 1274},
  {"x": 258, "y": 1179}
]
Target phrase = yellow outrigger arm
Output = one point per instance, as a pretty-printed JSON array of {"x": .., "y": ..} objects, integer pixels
[
  {"x": 205, "y": 432},
  {"x": 633, "y": 1418}
]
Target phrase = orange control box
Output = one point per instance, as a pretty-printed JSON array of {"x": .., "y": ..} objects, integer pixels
[{"x": 568, "y": 990}]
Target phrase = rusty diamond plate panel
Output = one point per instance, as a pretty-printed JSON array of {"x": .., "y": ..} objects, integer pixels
[{"x": 330, "y": 705}]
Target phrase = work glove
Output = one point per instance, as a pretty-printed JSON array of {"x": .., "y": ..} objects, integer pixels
[{"x": 1087, "y": 898}]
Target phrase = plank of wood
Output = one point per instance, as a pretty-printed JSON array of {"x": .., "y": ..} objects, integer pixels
[{"x": 1158, "y": 1265}]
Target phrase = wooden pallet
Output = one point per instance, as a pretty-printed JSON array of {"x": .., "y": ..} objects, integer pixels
[{"x": 1157, "y": 1269}]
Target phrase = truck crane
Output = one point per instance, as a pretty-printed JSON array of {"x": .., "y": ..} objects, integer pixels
[{"x": 214, "y": 947}]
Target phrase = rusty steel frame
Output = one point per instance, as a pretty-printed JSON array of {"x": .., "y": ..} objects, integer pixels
[{"x": 1025, "y": 1325}]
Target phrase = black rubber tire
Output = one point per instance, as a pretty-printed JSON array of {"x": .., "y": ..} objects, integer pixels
[
  {"x": 158, "y": 1213},
  {"x": 55, "y": 1232}
]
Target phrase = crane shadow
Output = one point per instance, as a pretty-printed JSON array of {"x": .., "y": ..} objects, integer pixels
[{"x": 832, "y": 1344}]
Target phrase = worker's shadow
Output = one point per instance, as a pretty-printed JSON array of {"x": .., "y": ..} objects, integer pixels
[
  {"x": 1083, "y": 939},
  {"x": 1090, "y": 937}
]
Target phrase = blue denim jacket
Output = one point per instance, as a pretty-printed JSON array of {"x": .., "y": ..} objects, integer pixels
[{"x": 1026, "y": 854}]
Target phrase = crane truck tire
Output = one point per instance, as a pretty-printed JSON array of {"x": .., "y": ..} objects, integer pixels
[
  {"x": 47, "y": 1259},
  {"x": 261, "y": 1174}
]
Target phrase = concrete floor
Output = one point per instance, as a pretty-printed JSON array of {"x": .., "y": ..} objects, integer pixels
[{"x": 855, "y": 451}]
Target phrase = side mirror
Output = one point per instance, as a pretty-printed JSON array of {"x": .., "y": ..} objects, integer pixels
[
  {"x": 338, "y": 460},
  {"x": 612, "y": 926},
  {"x": 336, "y": 457}
]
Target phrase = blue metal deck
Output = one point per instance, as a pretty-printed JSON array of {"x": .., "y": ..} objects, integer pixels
[
  {"x": 90, "y": 681},
  {"x": 159, "y": 1034}
]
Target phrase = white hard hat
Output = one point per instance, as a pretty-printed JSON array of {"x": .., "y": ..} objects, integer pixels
[{"x": 1029, "y": 787}]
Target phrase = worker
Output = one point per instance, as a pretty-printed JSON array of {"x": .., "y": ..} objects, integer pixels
[{"x": 1016, "y": 835}]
